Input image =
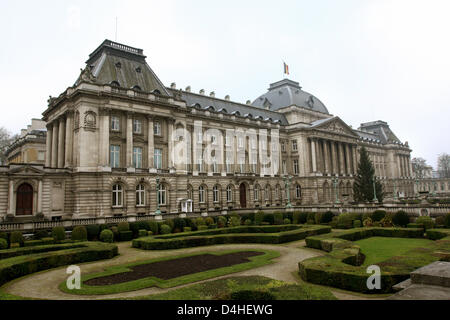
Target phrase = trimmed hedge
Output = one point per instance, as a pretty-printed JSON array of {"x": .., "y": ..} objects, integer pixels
[
  {"x": 16, "y": 237},
  {"x": 106, "y": 236},
  {"x": 79, "y": 233},
  {"x": 43, "y": 241},
  {"x": 437, "y": 234},
  {"x": 3, "y": 244},
  {"x": 28, "y": 261},
  {"x": 340, "y": 267},
  {"x": 126, "y": 235},
  {"x": 58, "y": 233},
  {"x": 244, "y": 234}
]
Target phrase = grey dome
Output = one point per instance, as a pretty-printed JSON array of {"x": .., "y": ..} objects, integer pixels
[{"x": 286, "y": 93}]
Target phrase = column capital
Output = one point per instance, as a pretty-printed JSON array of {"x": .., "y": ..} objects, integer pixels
[{"x": 104, "y": 111}]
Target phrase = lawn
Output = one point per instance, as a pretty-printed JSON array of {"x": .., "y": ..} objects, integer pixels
[
  {"x": 378, "y": 249},
  {"x": 223, "y": 289}
]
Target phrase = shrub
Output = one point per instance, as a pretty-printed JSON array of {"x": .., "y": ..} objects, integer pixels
[
  {"x": 447, "y": 220},
  {"x": 414, "y": 225},
  {"x": 187, "y": 229},
  {"x": 170, "y": 223},
  {"x": 79, "y": 233},
  {"x": 123, "y": 226},
  {"x": 386, "y": 221},
  {"x": 367, "y": 222},
  {"x": 40, "y": 234},
  {"x": 345, "y": 221},
  {"x": 126, "y": 235},
  {"x": 143, "y": 233},
  {"x": 107, "y": 236},
  {"x": 235, "y": 221},
  {"x": 303, "y": 217},
  {"x": 357, "y": 224},
  {"x": 252, "y": 295},
  {"x": 287, "y": 221},
  {"x": 296, "y": 218},
  {"x": 377, "y": 215},
  {"x": 202, "y": 227},
  {"x": 58, "y": 233},
  {"x": 400, "y": 218},
  {"x": 269, "y": 218},
  {"x": 278, "y": 218},
  {"x": 377, "y": 224},
  {"x": 153, "y": 225},
  {"x": 16, "y": 237},
  {"x": 165, "y": 229},
  {"x": 221, "y": 221},
  {"x": 318, "y": 218},
  {"x": 93, "y": 232},
  {"x": 311, "y": 216},
  {"x": 134, "y": 227},
  {"x": 212, "y": 226},
  {"x": 259, "y": 218},
  {"x": 3, "y": 244},
  {"x": 150, "y": 233},
  {"x": 179, "y": 224},
  {"x": 440, "y": 221},
  {"x": 209, "y": 221},
  {"x": 116, "y": 233},
  {"x": 248, "y": 222},
  {"x": 327, "y": 217},
  {"x": 310, "y": 221},
  {"x": 199, "y": 222},
  {"x": 426, "y": 221}
]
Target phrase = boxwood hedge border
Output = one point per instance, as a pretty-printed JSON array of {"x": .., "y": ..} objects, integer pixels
[
  {"x": 340, "y": 267},
  {"x": 243, "y": 234}
]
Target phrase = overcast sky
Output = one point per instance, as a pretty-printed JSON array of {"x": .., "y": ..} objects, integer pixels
[{"x": 365, "y": 59}]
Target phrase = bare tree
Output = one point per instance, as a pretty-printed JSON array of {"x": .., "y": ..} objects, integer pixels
[
  {"x": 5, "y": 140},
  {"x": 419, "y": 166},
  {"x": 444, "y": 165}
]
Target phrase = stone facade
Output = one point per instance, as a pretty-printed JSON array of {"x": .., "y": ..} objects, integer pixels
[{"x": 118, "y": 128}]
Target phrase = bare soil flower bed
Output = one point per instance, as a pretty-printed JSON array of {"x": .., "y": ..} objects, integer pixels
[{"x": 175, "y": 268}]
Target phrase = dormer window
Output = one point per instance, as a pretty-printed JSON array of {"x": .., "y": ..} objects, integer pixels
[
  {"x": 115, "y": 84},
  {"x": 138, "y": 70},
  {"x": 118, "y": 65},
  {"x": 137, "y": 88}
]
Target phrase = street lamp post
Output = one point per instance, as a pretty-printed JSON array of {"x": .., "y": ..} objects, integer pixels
[
  {"x": 335, "y": 183},
  {"x": 158, "y": 211},
  {"x": 287, "y": 181},
  {"x": 374, "y": 190}
]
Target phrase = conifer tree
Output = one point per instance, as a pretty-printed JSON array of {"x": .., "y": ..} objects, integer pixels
[{"x": 363, "y": 186}]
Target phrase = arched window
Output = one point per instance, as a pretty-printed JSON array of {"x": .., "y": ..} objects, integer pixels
[
  {"x": 277, "y": 192},
  {"x": 229, "y": 194},
  {"x": 115, "y": 84},
  {"x": 162, "y": 195},
  {"x": 267, "y": 193},
  {"x": 298, "y": 191},
  {"x": 137, "y": 88},
  {"x": 215, "y": 194},
  {"x": 140, "y": 195},
  {"x": 201, "y": 194},
  {"x": 117, "y": 196},
  {"x": 256, "y": 192}
]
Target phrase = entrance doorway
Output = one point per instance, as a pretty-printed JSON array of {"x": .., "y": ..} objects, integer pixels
[
  {"x": 24, "y": 201},
  {"x": 243, "y": 195}
]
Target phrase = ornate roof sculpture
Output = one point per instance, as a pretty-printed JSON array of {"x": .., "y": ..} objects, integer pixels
[{"x": 286, "y": 93}]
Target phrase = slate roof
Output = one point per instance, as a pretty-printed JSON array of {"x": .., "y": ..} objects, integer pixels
[
  {"x": 229, "y": 107},
  {"x": 285, "y": 93},
  {"x": 113, "y": 61},
  {"x": 378, "y": 129}
]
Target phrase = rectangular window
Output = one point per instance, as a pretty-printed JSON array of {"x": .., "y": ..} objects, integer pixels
[
  {"x": 283, "y": 164},
  {"x": 114, "y": 156},
  {"x": 137, "y": 157},
  {"x": 283, "y": 147},
  {"x": 294, "y": 145},
  {"x": 140, "y": 195},
  {"x": 157, "y": 128},
  {"x": 295, "y": 166},
  {"x": 115, "y": 124},
  {"x": 158, "y": 158},
  {"x": 137, "y": 126},
  {"x": 41, "y": 155}
]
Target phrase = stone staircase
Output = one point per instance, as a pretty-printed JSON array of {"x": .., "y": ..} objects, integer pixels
[{"x": 431, "y": 282}]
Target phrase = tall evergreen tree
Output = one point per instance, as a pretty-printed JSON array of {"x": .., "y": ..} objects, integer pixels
[{"x": 363, "y": 186}]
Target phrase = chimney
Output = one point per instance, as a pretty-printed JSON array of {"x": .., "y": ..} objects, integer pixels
[
  {"x": 212, "y": 94},
  {"x": 227, "y": 97},
  {"x": 173, "y": 85},
  {"x": 202, "y": 91},
  {"x": 188, "y": 89}
]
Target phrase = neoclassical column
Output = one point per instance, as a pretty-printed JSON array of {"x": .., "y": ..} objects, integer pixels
[
  {"x": 39, "y": 200},
  {"x": 320, "y": 162},
  {"x": 151, "y": 144},
  {"x": 11, "y": 197},
  {"x": 48, "y": 146},
  {"x": 55, "y": 144},
  {"x": 104, "y": 137},
  {"x": 334, "y": 158},
  {"x": 355, "y": 159},
  {"x": 399, "y": 167},
  {"x": 170, "y": 143},
  {"x": 410, "y": 167},
  {"x": 348, "y": 158},
  {"x": 341, "y": 158},
  {"x": 129, "y": 148},
  {"x": 313, "y": 155},
  {"x": 326, "y": 156},
  {"x": 69, "y": 140},
  {"x": 61, "y": 140}
]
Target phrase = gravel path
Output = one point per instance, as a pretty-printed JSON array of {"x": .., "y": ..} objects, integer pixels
[{"x": 45, "y": 284}]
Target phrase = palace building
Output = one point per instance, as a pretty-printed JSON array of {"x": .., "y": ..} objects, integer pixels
[{"x": 118, "y": 128}]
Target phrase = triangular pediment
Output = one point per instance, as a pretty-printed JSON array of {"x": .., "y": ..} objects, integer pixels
[
  {"x": 334, "y": 125},
  {"x": 25, "y": 169}
]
